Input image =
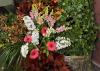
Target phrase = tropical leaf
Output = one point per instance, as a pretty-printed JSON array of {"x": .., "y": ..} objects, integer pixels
[{"x": 10, "y": 56}]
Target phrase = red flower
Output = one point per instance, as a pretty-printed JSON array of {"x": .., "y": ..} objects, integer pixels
[
  {"x": 34, "y": 54},
  {"x": 44, "y": 31},
  {"x": 54, "y": 1},
  {"x": 51, "y": 45},
  {"x": 28, "y": 38}
]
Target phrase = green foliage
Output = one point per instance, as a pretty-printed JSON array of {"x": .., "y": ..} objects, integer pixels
[
  {"x": 3, "y": 37},
  {"x": 10, "y": 56},
  {"x": 78, "y": 15},
  {"x": 11, "y": 19}
]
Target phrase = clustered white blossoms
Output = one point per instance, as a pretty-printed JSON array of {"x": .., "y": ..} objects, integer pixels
[
  {"x": 50, "y": 31},
  {"x": 24, "y": 50},
  {"x": 62, "y": 42},
  {"x": 35, "y": 37},
  {"x": 29, "y": 23},
  {"x": 30, "y": 26},
  {"x": 35, "y": 34}
]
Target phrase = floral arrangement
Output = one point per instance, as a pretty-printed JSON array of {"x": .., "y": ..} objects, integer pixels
[
  {"x": 42, "y": 33},
  {"x": 40, "y": 37}
]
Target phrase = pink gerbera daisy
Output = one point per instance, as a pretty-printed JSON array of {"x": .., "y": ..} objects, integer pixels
[
  {"x": 28, "y": 39},
  {"x": 51, "y": 45},
  {"x": 44, "y": 31},
  {"x": 34, "y": 54}
]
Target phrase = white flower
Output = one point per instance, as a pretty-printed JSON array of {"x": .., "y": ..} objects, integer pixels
[
  {"x": 24, "y": 50},
  {"x": 26, "y": 18},
  {"x": 62, "y": 42},
  {"x": 29, "y": 23},
  {"x": 35, "y": 37},
  {"x": 50, "y": 31}
]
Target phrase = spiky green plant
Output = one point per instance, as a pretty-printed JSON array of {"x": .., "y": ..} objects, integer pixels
[{"x": 10, "y": 57}]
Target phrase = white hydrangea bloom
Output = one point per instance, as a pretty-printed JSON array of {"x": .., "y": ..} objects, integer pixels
[
  {"x": 35, "y": 37},
  {"x": 24, "y": 50},
  {"x": 50, "y": 30},
  {"x": 29, "y": 23},
  {"x": 62, "y": 42}
]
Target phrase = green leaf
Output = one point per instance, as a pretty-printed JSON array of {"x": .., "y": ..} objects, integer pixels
[
  {"x": 46, "y": 10},
  {"x": 11, "y": 19}
]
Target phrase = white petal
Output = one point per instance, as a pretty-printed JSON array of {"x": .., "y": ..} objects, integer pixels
[
  {"x": 24, "y": 50},
  {"x": 35, "y": 37},
  {"x": 26, "y": 18},
  {"x": 62, "y": 42},
  {"x": 29, "y": 23}
]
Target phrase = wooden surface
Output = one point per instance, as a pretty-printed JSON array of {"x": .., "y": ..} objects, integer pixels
[{"x": 97, "y": 10}]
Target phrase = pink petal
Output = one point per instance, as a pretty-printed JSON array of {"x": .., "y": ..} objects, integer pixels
[
  {"x": 34, "y": 54},
  {"x": 28, "y": 39},
  {"x": 51, "y": 45},
  {"x": 31, "y": 14}
]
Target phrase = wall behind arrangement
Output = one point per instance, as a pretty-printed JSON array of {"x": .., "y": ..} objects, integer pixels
[{"x": 96, "y": 54}]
